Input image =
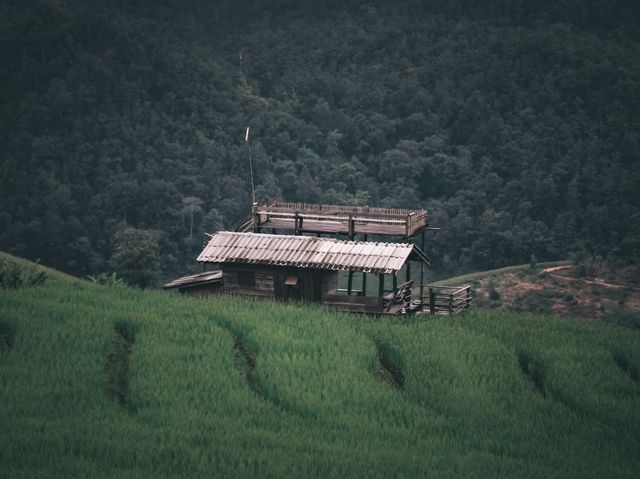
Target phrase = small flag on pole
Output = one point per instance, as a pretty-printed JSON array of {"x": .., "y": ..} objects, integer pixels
[{"x": 246, "y": 135}]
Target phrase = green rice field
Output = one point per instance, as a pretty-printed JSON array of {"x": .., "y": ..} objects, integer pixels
[{"x": 113, "y": 382}]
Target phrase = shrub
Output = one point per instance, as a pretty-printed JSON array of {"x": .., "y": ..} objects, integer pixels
[
  {"x": 106, "y": 279},
  {"x": 494, "y": 295},
  {"x": 13, "y": 275}
]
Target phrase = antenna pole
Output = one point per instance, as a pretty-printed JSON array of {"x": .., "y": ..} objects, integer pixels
[{"x": 253, "y": 189}]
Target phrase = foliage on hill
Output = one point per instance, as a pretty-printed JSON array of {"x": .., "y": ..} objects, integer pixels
[
  {"x": 18, "y": 273},
  {"x": 590, "y": 290},
  {"x": 13, "y": 275},
  {"x": 116, "y": 382},
  {"x": 515, "y": 122}
]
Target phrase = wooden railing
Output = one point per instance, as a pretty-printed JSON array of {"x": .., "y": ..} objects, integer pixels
[
  {"x": 447, "y": 299},
  {"x": 271, "y": 215},
  {"x": 415, "y": 222},
  {"x": 365, "y": 210},
  {"x": 345, "y": 218}
]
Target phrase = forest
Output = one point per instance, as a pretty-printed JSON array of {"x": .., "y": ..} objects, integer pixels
[{"x": 515, "y": 123}]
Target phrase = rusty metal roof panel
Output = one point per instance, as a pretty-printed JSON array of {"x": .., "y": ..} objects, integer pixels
[
  {"x": 306, "y": 252},
  {"x": 207, "y": 277}
]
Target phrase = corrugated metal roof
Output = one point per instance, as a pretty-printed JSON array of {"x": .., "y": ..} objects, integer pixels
[
  {"x": 195, "y": 279},
  {"x": 308, "y": 252}
]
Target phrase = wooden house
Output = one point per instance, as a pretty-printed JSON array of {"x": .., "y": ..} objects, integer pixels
[
  {"x": 294, "y": 265},
  {"x": 306, "y": 268}
]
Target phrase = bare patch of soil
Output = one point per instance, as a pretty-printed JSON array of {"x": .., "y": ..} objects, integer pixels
[
  {"x": 511, "y": 286},
  {"x": 556, "y": 268},
  {"x": 592, "y": 293},
  {"x": 595, "y": 282}
]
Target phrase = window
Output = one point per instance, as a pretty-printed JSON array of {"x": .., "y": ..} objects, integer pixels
[{"x": 246, "y": 279}]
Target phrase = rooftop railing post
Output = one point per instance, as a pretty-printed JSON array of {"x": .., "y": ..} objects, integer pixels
[
  {"x": 432, "y": 301},
  {"x": 422, "y": 266},
  {"x": 409, "y": 231},
  {"x": 256, "y": 218},
  {"x": 364, "y": 276}
]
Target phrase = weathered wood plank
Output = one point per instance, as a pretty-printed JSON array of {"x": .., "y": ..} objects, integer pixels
[
  {"x": 350, "y": 220},
  {"x": 249, "y": 292}
]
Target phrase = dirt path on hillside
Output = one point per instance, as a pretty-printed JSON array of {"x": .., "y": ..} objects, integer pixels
[
  {"x": 556, "y": 268},
  {"x": 593, "y": 282}
]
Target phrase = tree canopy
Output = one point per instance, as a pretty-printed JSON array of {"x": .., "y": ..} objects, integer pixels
[
  {"x": 135, "y": 257},
  {"x": 516, "y": 123}
]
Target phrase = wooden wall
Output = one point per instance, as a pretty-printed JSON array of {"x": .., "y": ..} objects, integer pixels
[
  {"x": 313, "y": 285},
  {"x": 269, "y": 282},
  {"x": 307, "y": 287},
  {"x": 202, "y": 291},
  {"x": 235, "y": 277},
  {"x": 360, "y": 304}
]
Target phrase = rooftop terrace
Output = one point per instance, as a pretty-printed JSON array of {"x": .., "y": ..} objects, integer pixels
[{"x": 331, "y": 219}]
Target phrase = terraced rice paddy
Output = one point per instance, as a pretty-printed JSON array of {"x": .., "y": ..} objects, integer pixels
[{"x": 112, "y": 382}]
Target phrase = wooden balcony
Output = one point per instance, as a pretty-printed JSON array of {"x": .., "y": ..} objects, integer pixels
[{"x": 336, "y": 219}]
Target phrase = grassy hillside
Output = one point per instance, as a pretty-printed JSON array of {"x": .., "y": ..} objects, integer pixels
[
  {"x": 24, "y": 267},
  {"x": 592, "y": 290},
  {"x": 483, "y": 275},
  {"x": 113, "y": 382}
]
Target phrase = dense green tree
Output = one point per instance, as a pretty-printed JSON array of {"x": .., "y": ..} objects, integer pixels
[
  {"x": 122, "y": 112},
  {"x": 136, "y": 257}
]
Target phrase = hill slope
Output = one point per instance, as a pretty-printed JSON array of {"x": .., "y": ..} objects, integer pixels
[
  {"x": 591, "y": 290},
  {"x": 113, "y": 382}
]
